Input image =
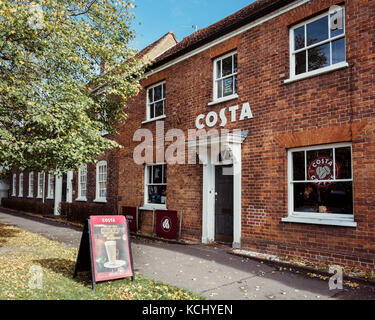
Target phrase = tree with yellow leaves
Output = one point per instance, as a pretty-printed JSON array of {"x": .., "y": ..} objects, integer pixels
[{"x": 54, "y": 99}]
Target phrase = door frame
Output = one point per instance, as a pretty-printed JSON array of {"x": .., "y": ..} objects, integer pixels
[{"x": 208, "y": 151}]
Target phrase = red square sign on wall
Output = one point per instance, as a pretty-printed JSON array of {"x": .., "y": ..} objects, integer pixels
[
  {"x": 166, "y": 224},
  {"x": 131, "y": 215}
]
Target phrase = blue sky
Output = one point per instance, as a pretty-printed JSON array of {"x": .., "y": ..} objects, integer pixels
[{"x": 154, "y": 18}]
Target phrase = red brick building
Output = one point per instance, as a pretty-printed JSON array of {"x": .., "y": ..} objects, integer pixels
[
  {"x": 297, "y": 78},
  {"x": 306, "y": 71}
]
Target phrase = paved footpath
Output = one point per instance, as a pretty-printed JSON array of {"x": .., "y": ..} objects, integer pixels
[{"x": 208, "y": 271}]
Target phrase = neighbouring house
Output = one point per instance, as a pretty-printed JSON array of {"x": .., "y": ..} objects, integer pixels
[
  {"x": 275, "y": 104},
  {"x": 92, "y": 183}
]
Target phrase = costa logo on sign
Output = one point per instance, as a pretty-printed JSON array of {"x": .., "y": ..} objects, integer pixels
[
  {"x": 166, "y": 224},
  {"x": 321, "y": 168}
]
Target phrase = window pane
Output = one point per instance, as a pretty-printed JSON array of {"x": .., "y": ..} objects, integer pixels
[
  {"x": 149, "y": 174},
  {"x": 335, "y": 198},
  {"x": 317, "y": 31},
  {"x": 299, "y": 166},
  {"x": 150, "y": 95},
  {"x": 164, "y": 90},
  {"x": 218, "y": 69},
  {"x": 157, "y": 194},
  {"x": 152, "y": 111},
  {"x": 227, "y": 66},
  {"x": 337, "y": 24},
  {"x": 165, "y": 175},
  {"x": 235, "y": 84},
  {"x": 235, "y": 63},
  {"x": 319, "y": 57},
  {"x": 299, "y": 38},
  {"x": 157, "y": 93},
  {"x": 220, "y": 89},
  {"x": 338, "y": 51},
  {"x": 301, "y": 62},
  {"x": 343, "y": 163},
  {"x": 159, "y": 109},
  {"x": 320, "y": 164},
  {"x": 157, "y": 174},
  {"x": 228, "y": 86}
]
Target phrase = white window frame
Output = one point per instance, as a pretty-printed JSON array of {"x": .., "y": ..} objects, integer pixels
[
  {"x": 31, "y": 184},
  {"x": 152, "y": 206},
  {"x": 14, "y": 185},
  {"x": 316, "y": 218},
  {"x": 98, "y": 197},
  {"x": 20, "y": 185},
  {"x": 148, "y": 114},
  {"x": 82, "y": 172},
  {"x": 216, "y": 80},
  {"x": 40, "y": 185},
  {"x": 293, "y": 52},
  {"x": 51, "y": 185}
]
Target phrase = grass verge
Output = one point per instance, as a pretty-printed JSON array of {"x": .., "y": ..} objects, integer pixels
[{"x": 22, "y": 253}]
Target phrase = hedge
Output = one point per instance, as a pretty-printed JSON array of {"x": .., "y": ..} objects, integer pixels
[
  {"x": 28, "y": 206},
  {"x": 80, "y": 212}
]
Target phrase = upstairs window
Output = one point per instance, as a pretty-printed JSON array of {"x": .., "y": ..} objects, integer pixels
[
  {"x": 156, "y": 101},
  {"x": 317, "y": 45},
  {"x": 225, "y": 77}
]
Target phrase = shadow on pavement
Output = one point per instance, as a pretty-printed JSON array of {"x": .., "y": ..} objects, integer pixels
[
  {"x": 41, "y": 219},
  {"x": 258, "y": 272}
]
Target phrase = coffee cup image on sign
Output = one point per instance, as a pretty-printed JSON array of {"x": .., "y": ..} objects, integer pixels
[
  {"x": 115, "y": 257},
  {"x": 111, "y": 250}
]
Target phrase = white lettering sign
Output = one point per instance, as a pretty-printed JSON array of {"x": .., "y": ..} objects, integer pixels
[{"x": 212, "y": 118}]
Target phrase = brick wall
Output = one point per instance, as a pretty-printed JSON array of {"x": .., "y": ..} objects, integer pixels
[{"x": 333, "y": 107}]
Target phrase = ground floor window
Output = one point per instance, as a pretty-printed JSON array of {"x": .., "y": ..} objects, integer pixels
[
  {"x": 82, "y": 179},
  {"x": 101, "y": 181},
  {"x": 40, "y": 184},
  {"x": 156, "y": 185},
  {"x": 31, "y": 184},
  {"x": 321, "y": 182},
  {"x": 51, "y": 185},
  {"x": 20, "y": 187},
  {"x": 14, "y": 185}
]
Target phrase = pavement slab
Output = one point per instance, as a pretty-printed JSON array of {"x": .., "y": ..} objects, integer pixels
[{"x": 207, "y": 270}]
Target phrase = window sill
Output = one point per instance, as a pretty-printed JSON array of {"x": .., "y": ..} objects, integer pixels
[
  {"x": 327, "y": 222},
  {"x": 229, "y": 98},
  {"x": 30, "y": 197},
  {"x": 81, "y": 199},
  {"x": 315, "y": 73},
  {"x": 100, "y": 201},
  {"x": 153, "y": 207},
  {"x": 49, "y": 198},
  {"x": 154, "y": 119}
]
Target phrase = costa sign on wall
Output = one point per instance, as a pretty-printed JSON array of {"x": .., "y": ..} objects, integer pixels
[
  {"x": 166, "y": 224},
  {"x": 212, "y": 118},
  {"x": 321, "y": 168}
]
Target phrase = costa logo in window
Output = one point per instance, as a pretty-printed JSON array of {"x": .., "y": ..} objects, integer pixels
[{"x": 321, "y": 168}]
